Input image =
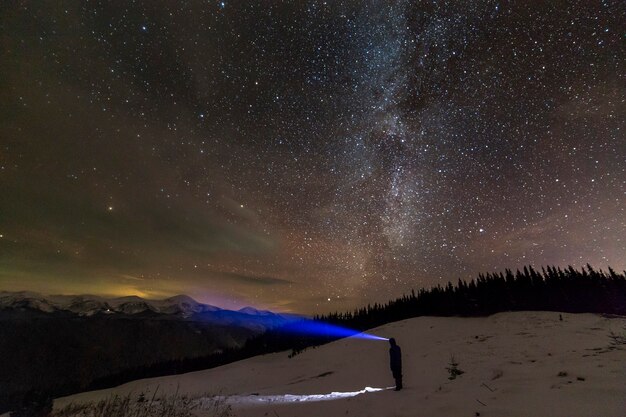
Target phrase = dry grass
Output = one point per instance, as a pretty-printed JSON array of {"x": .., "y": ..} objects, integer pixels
[
  {"x": 175, "y": 405},
  {"x": 617, "y": 339}
]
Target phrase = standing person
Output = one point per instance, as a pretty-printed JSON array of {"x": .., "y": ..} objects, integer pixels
[{"x": 395, "y": 362}]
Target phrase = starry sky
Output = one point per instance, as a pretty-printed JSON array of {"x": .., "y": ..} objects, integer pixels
[{"x": 307, "y": 156}]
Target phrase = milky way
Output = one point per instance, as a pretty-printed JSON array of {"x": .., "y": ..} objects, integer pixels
[{"x": 307, "y": 156}]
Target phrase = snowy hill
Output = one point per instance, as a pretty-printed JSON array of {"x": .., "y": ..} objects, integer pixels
[{"x": 515, "y": 364}]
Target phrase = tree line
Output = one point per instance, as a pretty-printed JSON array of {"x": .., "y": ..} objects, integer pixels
[{"x": 551, "y": 289}]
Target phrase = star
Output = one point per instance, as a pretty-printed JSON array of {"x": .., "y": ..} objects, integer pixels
[{"x": 378, "y": 148}]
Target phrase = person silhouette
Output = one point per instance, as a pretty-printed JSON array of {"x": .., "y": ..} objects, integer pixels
[{"x": 395, "y": 362}]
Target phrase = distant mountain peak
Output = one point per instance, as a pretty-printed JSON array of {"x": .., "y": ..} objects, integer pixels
[
  {"x": 181, "y": 298},
  {"x": 254, "y": 312}
]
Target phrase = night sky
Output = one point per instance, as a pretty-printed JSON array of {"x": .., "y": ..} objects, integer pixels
[{"x": 307, "y": 156}]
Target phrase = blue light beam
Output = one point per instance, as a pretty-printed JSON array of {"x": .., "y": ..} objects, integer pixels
[{"x": 319, "y": 328}]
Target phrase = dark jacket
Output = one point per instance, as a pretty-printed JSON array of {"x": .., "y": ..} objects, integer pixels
[{"x": 395, "y": 359}]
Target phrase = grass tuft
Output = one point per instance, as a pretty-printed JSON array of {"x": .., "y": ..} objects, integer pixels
[{"x": 175, "y": 405}]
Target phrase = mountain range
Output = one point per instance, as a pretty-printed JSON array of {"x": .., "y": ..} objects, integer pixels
[{"x": 180, "y": 307}]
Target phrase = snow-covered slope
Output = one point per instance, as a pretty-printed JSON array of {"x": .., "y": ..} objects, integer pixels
[{"x": 515, "y": 364}]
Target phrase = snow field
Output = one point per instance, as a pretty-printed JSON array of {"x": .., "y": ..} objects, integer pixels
[{"x": 515, "y": 364}]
